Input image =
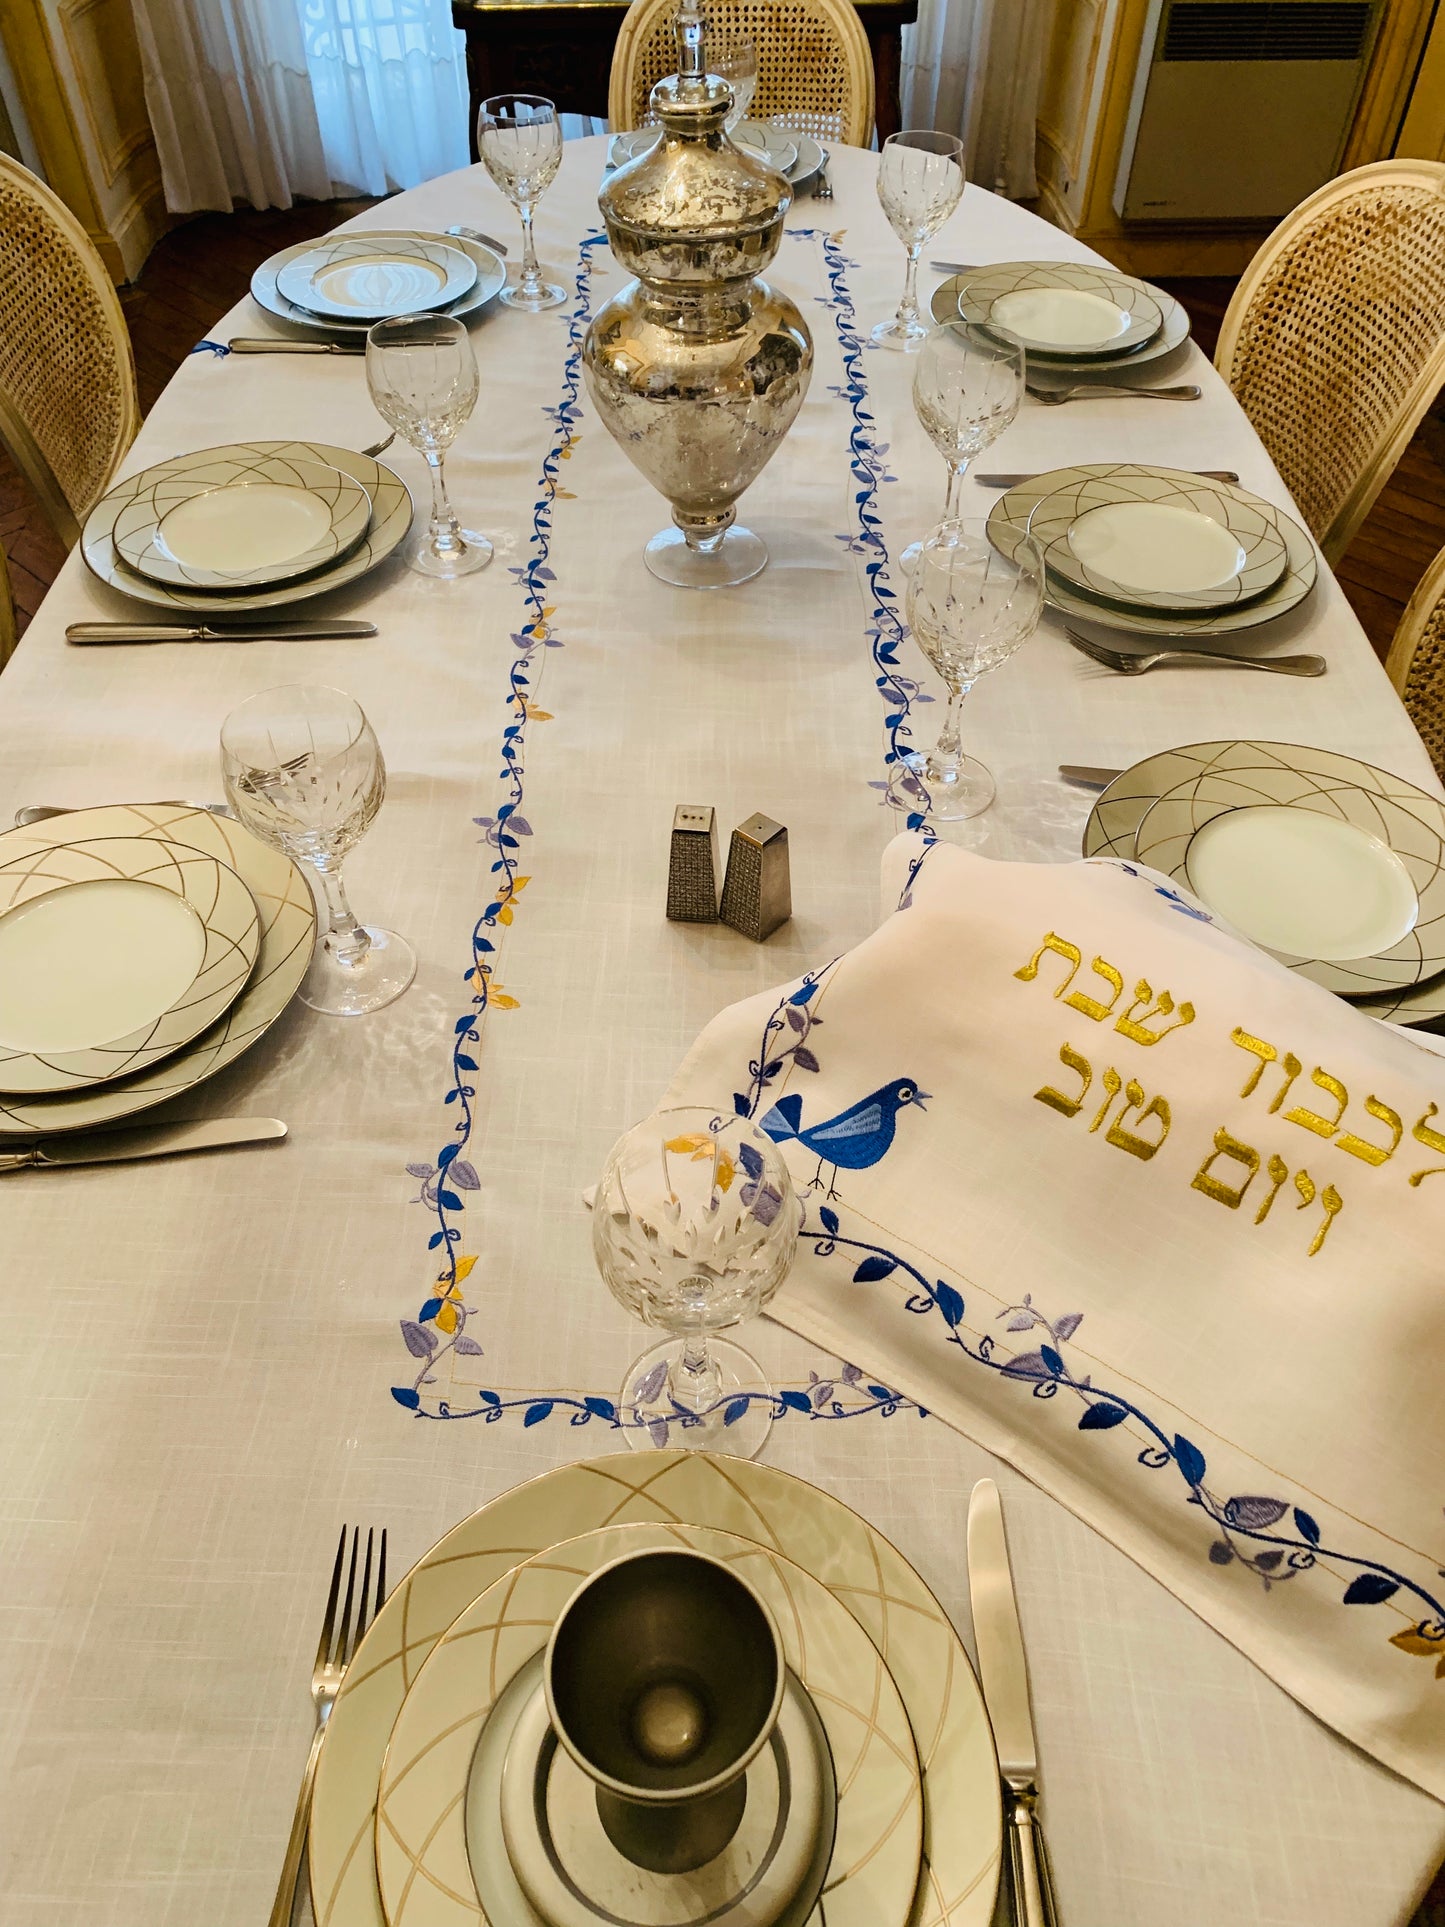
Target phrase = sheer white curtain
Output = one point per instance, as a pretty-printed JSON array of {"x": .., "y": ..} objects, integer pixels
[
  {"x": 974, "y": 68},
  {"x": 390, "y": 84}
]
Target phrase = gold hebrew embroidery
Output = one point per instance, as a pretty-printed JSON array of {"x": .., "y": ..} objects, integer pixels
[
  {"x": 1130, "y": 1141},
  {"x": 1113, "y": 1084},
  {"x": 1266, "y": 1053},
  {"x": 1056, "y": 1100},
  {"x": 1312, "y": 1120},
  {"x": 1278, "y": 1173},
  {"x": 1091, "y": 1006},
  {"x": 1359, "y": 1147},
  {"x": 1432, "y": 1140},
  {"x": 1305, "y": 1185},
  {"x": 1062, "y": 948},
  {"x": 1292, "y": 1067},
  {"x": 1131, "y": 1026},
  {"x": 1332, "y": 1202},
  {"x": 1226, "y": 1146}
]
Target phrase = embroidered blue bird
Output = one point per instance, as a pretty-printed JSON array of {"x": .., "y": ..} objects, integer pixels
[{"x": 855, "y": 1138}]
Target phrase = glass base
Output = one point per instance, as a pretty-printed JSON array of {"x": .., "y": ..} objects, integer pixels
[
  {"x": 906, "y": 336},
  {"x": 952, "y": 795},
  {"x": 737, "y": 558},
  {"x": 548, "y": 295},
  {"x": 652, "y": 1418},
  {"x": 475, "y": 553},
  {"x": 377, "y": 978}
]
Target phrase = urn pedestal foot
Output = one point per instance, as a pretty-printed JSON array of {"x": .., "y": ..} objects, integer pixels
[{"x": 719, "y": 559}]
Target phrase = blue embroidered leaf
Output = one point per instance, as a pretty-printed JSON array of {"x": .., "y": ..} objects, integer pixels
[
  {"x": 1305, "y": 1526},
  {"x": 1370, "y": 1589},
  {"x": 880, "y": 1392},
  {"x": 1052, "y": 1359},
  {"x": 751, "y": 1159},
  {"x": 804, "y": 995},
  {"x": 1027, "y": 1365},
  {"x": 536, "y": 1413},
  {"x": 465, "y": 1063},
  {"x": 1065, "y": 1327},
  {"x": 449, "y": 1200},
  {"x": 1189, "y": 1459},
  {"x": 404, "y": 1395},
  {"x": 490, "y": 1398},
  {"x": 796, "y": 1402},
  {"x": 735, "y": 1409},
  {"x": 740, "y": 1104},
  {"x": 419, "y": 1341},
  {"x": 950, "y": 1303},
  {"x": 463, "y": 1175},
  {"x": 601, "y": 1407},
  {"x": 872, "y": 1269},
  {"x": 467, "y": 1347},
  {"x": 771, "y": 1070},
  {"x": 1101, "y": 1416},
  {"x": 1267, "y": 1561},
  {"x": 805, "y": 1060},
  {"x": 829, "y": 1221},
  {"x": 429, "y": 1310},
  {"x": 445, "y": 1156},
  {"x": 434, "y": 1240},
  {"x": 1220, "y": 1553},
  {"x": 422, "y": 1171},
  {"x": 1254, "y": 1514}
]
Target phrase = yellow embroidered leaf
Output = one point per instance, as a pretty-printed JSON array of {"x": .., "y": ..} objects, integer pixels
[
  {"x": 837, "y": 234},
  {"x": 1440, "y": 1667},
  {"x": 464, "y": 1266},
  {"x": 538, "y": 715},
  {"x": 726, "y": 1171},
  {"x": 698, "y": 1142},
  {"x": 1418, "y": 1643},
  {"x": 520, "y": 883},
  {"x": 504, "y": 915},
  {"x": 479, "y": 977},
  {"x": 447, "y": 1317},
  {"x": 563, "y": 494},
  {"x": 502, "y": 1002},
  {"x": 549, "y": 609}
]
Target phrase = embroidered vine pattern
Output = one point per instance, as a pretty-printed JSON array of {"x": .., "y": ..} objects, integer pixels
[{"x": 790, "y": 1024}]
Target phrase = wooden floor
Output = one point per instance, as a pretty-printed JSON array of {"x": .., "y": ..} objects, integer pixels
[{"x": 198, "y": 271}]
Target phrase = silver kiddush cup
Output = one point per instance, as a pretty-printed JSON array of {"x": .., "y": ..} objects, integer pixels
[
  {"x": 664, "y": 1677},
  {"x": 697, "y": 367}
]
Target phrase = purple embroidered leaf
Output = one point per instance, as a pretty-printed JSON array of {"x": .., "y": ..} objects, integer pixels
[
  {"x": 1065, "y": 1327},
  {"x": 463, "y": 1175},
  {"x": 419, "y": 1341},
  {"x": 420, "y": 1170},
  {"x": 1101, "y": 1416},
  {"x": 1027, "y": 1365},
  {"x": 850, "y": 1374},
  {"x": 1254, "y": 1514},
  {"x": 796, "y": 1018},
  {"x": 950, "y": 1303},
  {"x": 805, "y": 1060},
  {"x": 1306, "y": 1527},
  {"x": 795, "y": 1401},
  {"x": 657, "y": 1432},
  {"x": 751, "y": 1159},
  {"x": 1022, "y": 1323},
  {"x": 404, "y": 1395},
  {"x": 1189, "y": 1459},
  {"x": 820, "y": 1394},
  {"x": 651, "y": 1384},
  {"x": 872, "y": 1269},
  {"x": 829, "y": 1221},
  {"x": 1221, "y": 1553},
  {"x": 536, "y": 1413},
  {"x": 1267, "y": 1561},
  {"x": 519, "y": 826},
  {"x": 467, "y": 1347},
  {"x": 767, "y": 1204},
  {"x": 1370, "y": 1589}
]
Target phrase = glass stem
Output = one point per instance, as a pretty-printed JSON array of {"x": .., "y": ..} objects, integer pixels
[
  {"x": 531, "y": 267},
  {"x": 445, "y": 533},
  {"x": 907, "y": 314},
  {"x": 694, "y": 1380},
  {"x": 956, "y": 473},
  {"x": 345, "y": 938},
  {"x": 948, "y": 754}
]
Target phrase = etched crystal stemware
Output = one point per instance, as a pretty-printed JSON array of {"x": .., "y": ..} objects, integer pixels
[
  {"x": 920, "y": 183},
  {"x": 694, "y": 1227},
  {"x": 423, "y": 380},
  {"x": 967, "y": 387},
  {"x": 304, "y": 772},
  {"x": 519, "y": 138},
  {"x": 969, "y": 608},
  {"x": 734, "y": 59}
]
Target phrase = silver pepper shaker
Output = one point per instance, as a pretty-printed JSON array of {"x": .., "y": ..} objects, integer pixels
[
  {"x": 692, "y": 864},
  {"x": 757, "y": 892}
]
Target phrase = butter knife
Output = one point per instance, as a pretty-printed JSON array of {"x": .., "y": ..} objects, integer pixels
[
  {"x": 1006, "y": 1694},
  {"x": 1018, "y": 481},
  {"x": 141, "y": 1141},
  {"x": 319, "y": 629},
  {"x": 1087, "y": 776},
  {"x": 274, "y": 345}
]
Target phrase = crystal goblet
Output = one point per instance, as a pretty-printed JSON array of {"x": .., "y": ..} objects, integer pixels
[
  {"x": 967, "y": 387},
  {"x": 694, "y": 1227},
  {"x": 423, "y": 380},
  {"x": 519, "y": 137},
  {"x": 734, "y": 59},
  {"x": 304, "y": 772},
  {"x": 920, "y": 183}
]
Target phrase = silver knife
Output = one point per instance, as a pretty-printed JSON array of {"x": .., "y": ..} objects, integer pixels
[
  {"x": 1017, "y": 481},
  {"x": 319, "y": 629},
  {"x": 1087, "y": 776},
  {"x": 1006, "y": 1694},
  {"x": 274, "y": 345},
  {"x": 955, "y": 267},
  {"x": 475, "y": 234},
  {"x": 141, "y": 1141}
]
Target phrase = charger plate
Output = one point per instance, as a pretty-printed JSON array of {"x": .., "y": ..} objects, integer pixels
[
  {"x": 180, "y": 936},
  {"x": 1173, "y": 326},
  {"x": 423, "y": 1864},
  {"x": 962, "y": 1810},
  {"x": 362, "y": 278},
  {"x": 1011, "y": 518},
  {"x": 286, "y": 917},
  {"x": 1113, "y": 826},
  {"x": 491, "y": 279},
  {"x": 1036, "y": 301},
  {"x": 391, "y": 513}
]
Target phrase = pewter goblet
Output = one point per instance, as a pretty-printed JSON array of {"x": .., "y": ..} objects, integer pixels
[{"x": 694, "y": 1227}]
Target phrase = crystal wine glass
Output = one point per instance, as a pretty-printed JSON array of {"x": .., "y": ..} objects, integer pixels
[
  {"x": 303, "y": 771},
  {"x": 920, "y": 183},
  {"x": 969, "y": 608},
  {"x": 423, "y": 380},
  {"x": 519, "y": 138},
  {"x": 734, "y": 59},
  {"x": 967, "y": 387},
  {"x": 694, "y": 1227}
]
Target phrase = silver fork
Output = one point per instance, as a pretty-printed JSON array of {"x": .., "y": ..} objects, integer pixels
[
  {"x": 380, "y": 448},
  {"x": 823, "y": 187},
  {"x": 339, "y": 1640},
  {"x": 1097, "y": 391},
  {"x": 1134, "y": 663}
]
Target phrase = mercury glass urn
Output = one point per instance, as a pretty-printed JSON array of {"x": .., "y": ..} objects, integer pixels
[{"x": 697, "y": 367}]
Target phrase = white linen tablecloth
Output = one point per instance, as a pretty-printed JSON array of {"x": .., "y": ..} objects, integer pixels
[{"x": 199, "y": 1358}]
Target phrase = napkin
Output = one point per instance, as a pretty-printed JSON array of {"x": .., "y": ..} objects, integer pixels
[{"x": 1156, "y": 1220}]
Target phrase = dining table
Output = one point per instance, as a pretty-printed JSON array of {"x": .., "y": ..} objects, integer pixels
[{"x": 210, "y": 1363}]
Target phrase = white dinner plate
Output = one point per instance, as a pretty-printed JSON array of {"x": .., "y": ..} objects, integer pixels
[
  {"x": 1048, "y": 506},
  {"x": 424, "y": 1865},
  {"x": 114, "y": 951},
  {"x": 770, "y": 142},
  {"x": 1113, "y": 826},
  {"x": 241, "y": 521},
  {"x": 1063, "y": 309},
  {"x": 945, "y": 305},
  {"x": 286, "y": 917},
  {"x": 362, "y": 278},
  {"x": 491, "y": 279},
  {"x": 807, "y": 153},
  {"x": 962, "y": 1815},
  {"x": 391, "y": 513}
]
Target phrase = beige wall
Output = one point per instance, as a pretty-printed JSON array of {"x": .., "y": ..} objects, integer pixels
[
  {"x": 77, "y": 70},
  {"x": 1422, "y": 136}
]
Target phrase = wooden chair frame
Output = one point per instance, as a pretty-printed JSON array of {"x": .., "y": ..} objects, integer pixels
[{"x": 1416, "y": 662}]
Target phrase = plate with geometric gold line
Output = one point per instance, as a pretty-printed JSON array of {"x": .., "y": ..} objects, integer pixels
[
  {"x": 962, "y": 1807},
  {"x": 424, "y": 1868}
]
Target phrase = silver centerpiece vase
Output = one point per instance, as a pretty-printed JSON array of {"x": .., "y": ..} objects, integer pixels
[{"x": 697, "y": 367}]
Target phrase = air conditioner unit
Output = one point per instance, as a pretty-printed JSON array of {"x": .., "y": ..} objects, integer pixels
[{"x": 1240, "y": 107}]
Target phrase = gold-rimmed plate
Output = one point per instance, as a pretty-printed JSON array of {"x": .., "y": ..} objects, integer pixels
[
  {"x": 359, "y": 277},
  {"x": 1173, "y": 326},
  {"x": 1063, "y": 310},
  {"x": 491, "y": 278}
]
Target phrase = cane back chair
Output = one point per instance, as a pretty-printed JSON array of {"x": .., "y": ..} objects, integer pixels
[
  {"x": 1416, "y": 662},
  {"x": 68, "y": 408},
  {"x": 1334, "y": 342},
  {"x": 7, "y": 613},
  {"x": 815, "y": 72}
]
